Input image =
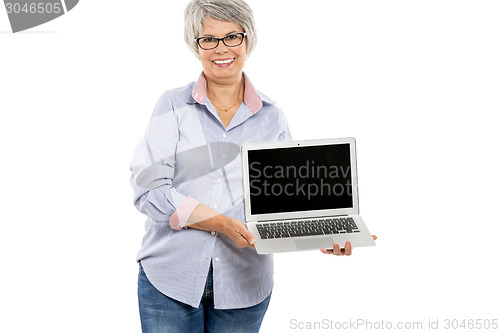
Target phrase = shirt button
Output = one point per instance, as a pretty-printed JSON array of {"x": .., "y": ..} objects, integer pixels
[
  {"x": 219, "y": 181},
  {"x": 216, "y": 259},
  {"x": 223, "y": 156},
  {"x": 213, "y": 233},
  {"x": 214, "y": 206},
  {"x": 224, "y": 135}
]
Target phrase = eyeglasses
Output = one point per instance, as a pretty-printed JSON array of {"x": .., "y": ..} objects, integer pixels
[{"x": 231, "y": 40}]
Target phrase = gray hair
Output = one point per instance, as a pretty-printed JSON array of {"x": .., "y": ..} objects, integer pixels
[{"x": 235, "y": 11}]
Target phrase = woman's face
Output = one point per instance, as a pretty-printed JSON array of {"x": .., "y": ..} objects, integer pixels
[{"x": 222, "y": 65}]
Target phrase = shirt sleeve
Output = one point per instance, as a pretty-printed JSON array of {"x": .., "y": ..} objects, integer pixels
[{"x": 153, "y": 168}]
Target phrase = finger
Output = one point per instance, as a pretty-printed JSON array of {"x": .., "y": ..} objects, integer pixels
[
  {"x": 241, "y": 242},
  {"x": 326, "y": 251},
  {"x": 247, "y": 236},
  {"x": 336, "y": 249},
  {"x": 250, "y": 246},
  {"x": 244, "y": 242},
  {"x": 348, "y": 249},
  {"x": 250, "y": 238},
  {"x": 374, "y": 237}
]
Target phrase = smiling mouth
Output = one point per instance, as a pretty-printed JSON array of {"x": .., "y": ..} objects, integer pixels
[{"x": 223, "y": 61}]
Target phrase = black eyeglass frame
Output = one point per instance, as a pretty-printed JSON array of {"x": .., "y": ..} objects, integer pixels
[{"x": 242, "y": 34}]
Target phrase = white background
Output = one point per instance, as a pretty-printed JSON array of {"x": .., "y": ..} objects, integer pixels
[{"x": 415, "y": 82}]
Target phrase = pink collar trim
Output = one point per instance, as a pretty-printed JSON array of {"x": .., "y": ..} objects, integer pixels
[{"x": 251, "y": 97}]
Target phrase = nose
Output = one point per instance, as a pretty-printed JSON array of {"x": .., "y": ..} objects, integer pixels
[{"x": 221, "y": 48}]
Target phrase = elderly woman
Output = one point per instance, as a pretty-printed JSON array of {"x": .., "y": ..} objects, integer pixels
[{"x": 198, "y": 268}]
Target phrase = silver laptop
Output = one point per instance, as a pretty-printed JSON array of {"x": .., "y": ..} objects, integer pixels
[{"x": 302, "y": 195}]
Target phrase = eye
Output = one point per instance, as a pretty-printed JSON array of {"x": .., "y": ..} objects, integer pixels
[
  {"x": 208, "y": 40},
  {"x": 232, "y": 37}
]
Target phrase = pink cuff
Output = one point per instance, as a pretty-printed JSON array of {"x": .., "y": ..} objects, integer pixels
[{"x": 181, "y": 215}]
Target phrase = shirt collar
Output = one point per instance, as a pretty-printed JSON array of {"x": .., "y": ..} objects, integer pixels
[{"x": 252, "y": 98}]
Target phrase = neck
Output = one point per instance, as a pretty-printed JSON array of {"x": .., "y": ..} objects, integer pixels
[{"x": 225, "y": 94}]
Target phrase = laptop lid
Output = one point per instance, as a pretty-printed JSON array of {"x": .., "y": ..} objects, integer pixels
[{"x": 299, "y": 179}]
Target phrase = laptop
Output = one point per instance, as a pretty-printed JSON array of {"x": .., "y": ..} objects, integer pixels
[{"x": 302, "y": 195}]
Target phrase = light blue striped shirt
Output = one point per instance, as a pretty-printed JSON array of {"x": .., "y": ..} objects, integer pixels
[{"x": 188, "y": 157}]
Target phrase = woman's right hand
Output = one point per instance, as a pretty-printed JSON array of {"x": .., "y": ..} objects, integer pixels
[
  {"x": 237, "y": 232},
  {"x": 205, "y": 218}
]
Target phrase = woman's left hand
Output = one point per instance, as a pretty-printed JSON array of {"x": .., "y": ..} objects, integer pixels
[{"x": 346, "y": 251}]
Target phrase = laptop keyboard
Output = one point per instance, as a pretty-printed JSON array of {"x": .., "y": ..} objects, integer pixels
[{"x": 307, "y": 228}]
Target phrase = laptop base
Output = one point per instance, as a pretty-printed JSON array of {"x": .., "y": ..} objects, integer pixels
[{"x": 304, "y": 243}]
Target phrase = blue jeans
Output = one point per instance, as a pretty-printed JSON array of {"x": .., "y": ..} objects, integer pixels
[{"x": 160, "y": 313}]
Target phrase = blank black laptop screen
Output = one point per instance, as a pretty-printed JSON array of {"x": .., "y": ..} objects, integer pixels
[{"x": 300, "y": 178}]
